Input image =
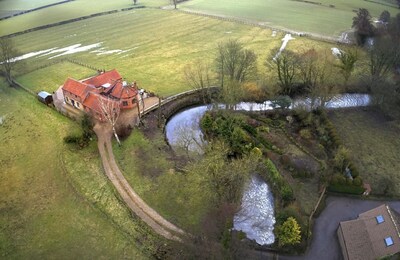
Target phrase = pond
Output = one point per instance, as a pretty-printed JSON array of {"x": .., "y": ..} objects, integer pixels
[{"x": 256, "y": 216}]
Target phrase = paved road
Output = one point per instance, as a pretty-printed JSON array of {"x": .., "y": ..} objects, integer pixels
[{"x": 325, "y": 244}]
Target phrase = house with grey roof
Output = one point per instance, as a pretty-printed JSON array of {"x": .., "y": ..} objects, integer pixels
[{"x": 374, "y": 234}]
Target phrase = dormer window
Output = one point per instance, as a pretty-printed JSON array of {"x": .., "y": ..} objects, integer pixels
[
  {"x": 380, "y": 219},
  {"x": 389, "y": 241}
]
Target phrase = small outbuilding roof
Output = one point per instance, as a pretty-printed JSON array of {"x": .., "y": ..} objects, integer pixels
[{"x": 44, "y": 94}]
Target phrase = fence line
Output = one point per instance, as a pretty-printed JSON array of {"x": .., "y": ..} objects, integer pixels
[
  {"x": 19, "y": 85},
  {"x": 69, "y": 21},
  {"x": 49, "y": 64},
  {"x": 34, "y": 9}
]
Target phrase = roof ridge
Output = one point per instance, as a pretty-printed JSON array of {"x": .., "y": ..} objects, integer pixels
[{"x": 392, "y": 219}]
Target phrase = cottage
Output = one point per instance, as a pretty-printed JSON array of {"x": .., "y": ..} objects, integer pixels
[
  {"x": 84, "y": 94},
  {"x": 45, "y": 97},
  {"x": 374, "y": 234}
]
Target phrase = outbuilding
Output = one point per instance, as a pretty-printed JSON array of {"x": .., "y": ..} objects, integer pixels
[{"x": 45, "y": 97}]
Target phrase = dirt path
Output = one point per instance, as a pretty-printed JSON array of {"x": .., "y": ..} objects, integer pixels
[{"x": 130, "y": 197}]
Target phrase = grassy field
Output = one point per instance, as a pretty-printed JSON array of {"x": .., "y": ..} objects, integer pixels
[
  {"x": 51, "y": 77},
  {"x": 8, "y": 7},
  {"x": 182, "y": 198},
  {"x": 158, "y": 43},
  {"x": 41, "y": 215},
  {"x": 374, "y": 145},
  {"x": 64, "y": 12},
  {"x": 294, "y": 15}
]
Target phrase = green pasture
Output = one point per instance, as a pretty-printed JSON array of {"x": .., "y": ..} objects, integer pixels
[
  {"x": 8, "y": 7},
  {"x": 374, "y": 146},
  {"x": 182, "y": 198},
  {"x": 24, "y": 4},
  {"x": 66, "y": 11},
  {"x": 43, "y": 214},
  {"x": 294, "y": 15},
  {"x": 50, "y": 78},
  {"x": 159, "y": 44}
]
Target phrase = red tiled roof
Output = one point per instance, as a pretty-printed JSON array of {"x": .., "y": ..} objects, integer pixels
[
  {"x": 121, "y": 92},
  {"x": 107, "y": 77},
  {"x": 76, "y": 88},
  {"x": 92, "y": 102}
]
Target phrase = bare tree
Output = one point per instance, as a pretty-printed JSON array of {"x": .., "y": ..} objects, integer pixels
[
  {"x": 347, "y": 61},
  {"x": 235, "y": 62},
  {"x": 110, "y": 110},
  {"x": 316, "y": 72},
  {"x": 7, "y": 58},
  {"x": 198, "y": 76},
  {"x": 286, "y": 65},
  {"x": 383, "y": 56}
]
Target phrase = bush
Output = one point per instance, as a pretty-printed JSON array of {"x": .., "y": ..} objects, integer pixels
[
  {"x": 305, "y": 134},
  {"x": 357, "y": 190},
  {"x": 72, "y": 139},
  {"x": 263, "y": 129},
  {"x": 287, "y": 193},
  {"x": 357, "y": 181}
]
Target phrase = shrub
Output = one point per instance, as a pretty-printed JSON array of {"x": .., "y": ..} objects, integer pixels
[
  {"x": 357, "y": 190},
  {"x": 263, "y": 129},
  {"x": 357, "y": 181},
  {"x": 287, "y": 193},
  {"x": 289, "y": 233},
  {"x": 72, "y": 139},
  {"x": 305, "y": 134}
]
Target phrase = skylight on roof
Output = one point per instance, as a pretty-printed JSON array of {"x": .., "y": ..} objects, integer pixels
[
  {"x": 106, "y": 85},
  {"x": 388, "y": 241},
  {"x": 380, "y": 219}
]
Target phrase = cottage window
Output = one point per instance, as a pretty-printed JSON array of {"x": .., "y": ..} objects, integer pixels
[
  {"x": 380, "y": 219},
  {"x": 66, "y": 98},
  {"x": 389, "y": 241},
  {"x": 124, "y": 103}
]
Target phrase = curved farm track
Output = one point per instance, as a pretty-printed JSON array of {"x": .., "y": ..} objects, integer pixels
[{"x": 160, "y": 225}]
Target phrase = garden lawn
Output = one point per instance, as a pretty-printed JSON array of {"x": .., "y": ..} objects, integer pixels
[
  {"x": 294, "y": 15},
  {"x": 182, "y": 198},
  {"x": 41, "y": 214},
  {"x": 158, "y": 45},
  {"x": 374, "y": 145},
  {"x": 50, "y": 78}
]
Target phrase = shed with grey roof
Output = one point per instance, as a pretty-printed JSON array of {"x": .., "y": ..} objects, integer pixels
[{"x": 45, "y": 97}]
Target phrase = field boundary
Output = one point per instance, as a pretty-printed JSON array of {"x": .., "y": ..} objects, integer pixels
[
  {"x": 46, "y": 26},
  {"x": 55, "y": 62},
  {"x": 264, "y": 26},
  {"x": 35, "y": 9}
]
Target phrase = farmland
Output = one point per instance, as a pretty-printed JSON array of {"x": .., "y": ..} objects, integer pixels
[
  {"x": 158, "y": 45},
  {"x": 61, "y": 12},
  {"x": 304, "y": 16}
]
